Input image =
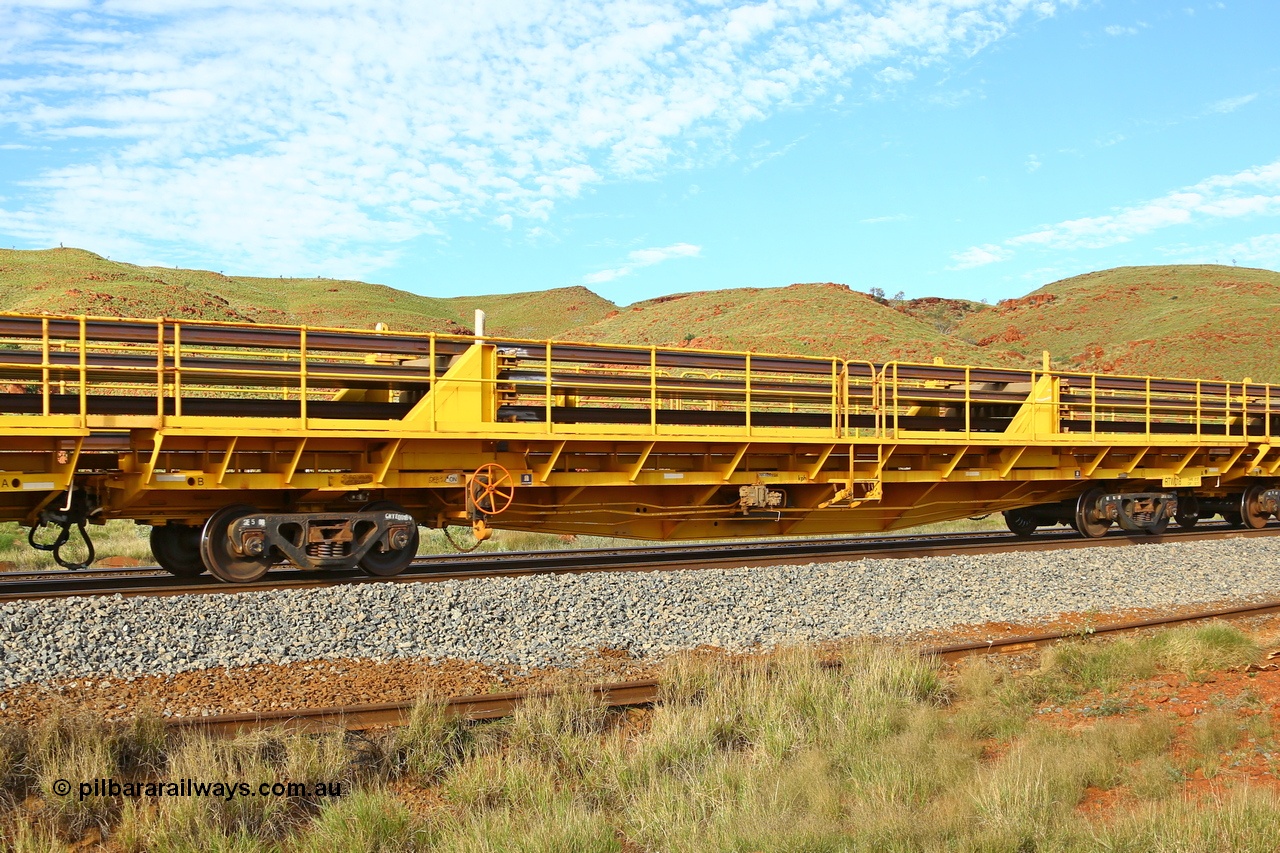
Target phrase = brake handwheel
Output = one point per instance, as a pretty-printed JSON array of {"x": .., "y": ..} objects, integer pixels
[{"x": 491, "y": 489}]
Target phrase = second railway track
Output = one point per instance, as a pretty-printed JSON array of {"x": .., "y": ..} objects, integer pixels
[
  {"x": 648, "y": 691},
  {"x": 149, "y": 581}
]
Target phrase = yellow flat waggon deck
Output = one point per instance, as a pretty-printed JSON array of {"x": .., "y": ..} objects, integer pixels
[{"x": 245, "y": 445}]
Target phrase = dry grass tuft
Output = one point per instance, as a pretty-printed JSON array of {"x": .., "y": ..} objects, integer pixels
[{"x": 776, "y": 752}]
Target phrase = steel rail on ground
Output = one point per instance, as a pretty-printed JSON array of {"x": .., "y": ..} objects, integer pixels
[
  {"x": 146, "y": 580},
  {"x": 646, "y": 691}
]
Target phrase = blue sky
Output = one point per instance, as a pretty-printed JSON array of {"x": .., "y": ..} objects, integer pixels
[{"x": 964, "y": 148}]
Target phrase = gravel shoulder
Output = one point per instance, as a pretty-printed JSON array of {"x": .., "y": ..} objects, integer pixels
[{"x": 386, "y": 642}]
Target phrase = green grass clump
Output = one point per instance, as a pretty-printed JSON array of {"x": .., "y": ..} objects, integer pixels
[
  {"x": 369, "y": 821},
  {"x": 1075, "y": 668},
  {"x": 778, "y": 752}
]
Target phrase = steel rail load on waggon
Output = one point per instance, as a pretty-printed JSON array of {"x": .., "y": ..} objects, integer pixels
[{"x": 248, "y": 445}]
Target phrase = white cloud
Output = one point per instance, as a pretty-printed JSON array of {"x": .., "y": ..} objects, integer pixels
[
  {"x": 876, "y": 220},
  {"x": 979, "y": 256},
  {"x": 1033, "y": 163},
  {"x": 760, "y": 153},
  {"x": 1262, "y": 250},
  {"x": 1230, "y": 105},
  {"x": 641, "y": 258},
  {"x": 311, "y": 133},
  {"x": 1252, "y": 192},
  {"x": 893, "y": 75},
  {"x": 1117, "y": 30}
]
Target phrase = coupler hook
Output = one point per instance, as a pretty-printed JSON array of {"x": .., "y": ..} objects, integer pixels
[{"x": 74, "y": 512}]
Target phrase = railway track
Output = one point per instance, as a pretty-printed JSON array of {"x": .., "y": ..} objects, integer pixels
[
  {"x": 647, "y": 691},
  {"x": 16, "y": 586}
]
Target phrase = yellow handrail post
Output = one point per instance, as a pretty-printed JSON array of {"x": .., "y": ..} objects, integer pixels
[
  {"x": 1244, "y": 408},
  {"x": 747, "y": 385},
  {"x": 44, "y": 366},
  {"x": 160, "y": 370},
  {"x": 1199, "y": 403},
  {"x": 1148, "y": 408},
  {"x": 653, "y": 390},
  {"x": 1093, "y": 407},
  {"x": 896, "y": 425},
  {"x": 434, "y": 391},
  {"x": 968, "y": 425},
  {"x": 84, "y": 375},
  {"x": 302, "y": 375},
  {"x": 1226, "y": 410},
  {"x": 836, "y": 407},
  {"x": 548, "y": 386},
  {"x": 177, "y": 370}
]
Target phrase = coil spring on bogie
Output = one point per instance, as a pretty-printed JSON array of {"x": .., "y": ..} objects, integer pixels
[{"x": 328, "y": 549}]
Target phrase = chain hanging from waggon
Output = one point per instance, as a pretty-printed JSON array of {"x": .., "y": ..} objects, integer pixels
[{"x": 76, "y": 509}]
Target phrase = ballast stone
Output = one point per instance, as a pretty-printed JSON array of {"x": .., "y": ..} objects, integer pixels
[{"x": 558, "y": 620}]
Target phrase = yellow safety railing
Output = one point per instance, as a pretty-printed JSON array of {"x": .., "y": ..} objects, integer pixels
[{"x": 75, "y": 362}]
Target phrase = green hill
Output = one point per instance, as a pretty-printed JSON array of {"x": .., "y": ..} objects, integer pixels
[
  {"x": 805, "y": 319},
  {"x": 1209, "y": 321},
  {"x": 73, "y": 281}
]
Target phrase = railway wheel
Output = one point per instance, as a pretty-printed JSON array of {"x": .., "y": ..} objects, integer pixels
[
  {"x": 1157, "y": 527},
  {"x": 176, "y": 548},
  {"x": 1233, "y": 519},
  {"x": 385, "y": 564},
  {"x": 491, "y": 489},
  {"x": 1086, "y": 516},
  {"x": 219, "y": 558},
  {"x": 1188, "y": 511},
  {"x": 1252, "y": 515},
  {"x": 1020, "y": 522}
]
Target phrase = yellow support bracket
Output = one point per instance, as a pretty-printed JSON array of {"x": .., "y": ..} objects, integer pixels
[
  {"x": 67, "y": 469},
  {"x": 293, "y": 460},
  {"x": 384, "y": 464},
  {"x": 729, "y": 469},
  {"x": 231, "y": 449},
  {"x": 1186, "y": 460},
  {"x": 1138, "y": 457},
  {"x": 149, "y": 467},
  {"x": 881, "y": 462},
  {"x": 644, "y": 457},
  {"x": 1088, "y": 469},
  {"x": 1038, "y": 414},
  {"x": 1256, "y": 464},
  {"x": 146, "y": 470},
  {"x": 542, "y": 473},
  {"x": 816, "y": 467},
  {"x": 1015, "y": 453},
  {"x": 1231, "y": 463},
  {"x": 955, "y": 460}
]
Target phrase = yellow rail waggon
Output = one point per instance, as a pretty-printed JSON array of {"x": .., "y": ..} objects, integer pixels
[{"x": 249, "y": 445}]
